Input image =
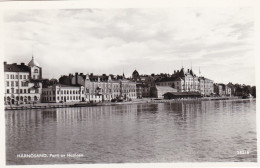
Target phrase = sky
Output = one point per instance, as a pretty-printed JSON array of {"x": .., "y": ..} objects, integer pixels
[{"x": 218, "y": 41}]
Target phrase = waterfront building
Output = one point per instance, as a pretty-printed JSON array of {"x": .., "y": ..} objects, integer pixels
[
  {"x": 63, "y": 93},
  {"x": 206, "y": 86},
  {"x": 127, "y": 89},
  {"x": 223, "y": 90},
  {"x": 100, "y": 88},
  {"x": 23, "y": 83},
  {"x": 218, "y": 89},
  {"x": 144, "y": 83},
  {"x": 183, "y": 81}
]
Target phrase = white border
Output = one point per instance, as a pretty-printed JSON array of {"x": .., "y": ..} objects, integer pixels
[{"x": 129, "y": 4}]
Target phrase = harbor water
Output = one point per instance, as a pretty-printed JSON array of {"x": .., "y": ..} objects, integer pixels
[{"x": 200, "y": 131}]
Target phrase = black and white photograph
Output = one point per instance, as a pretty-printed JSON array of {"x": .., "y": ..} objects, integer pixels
[{"x": 95, "y": 85}]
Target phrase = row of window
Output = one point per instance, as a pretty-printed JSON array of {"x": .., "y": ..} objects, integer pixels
[
  {"x": 20, "y": 91},
  {"x": 16, "y": 76},
  {"x": 63, "y": 92},
  {"x": 63, "y": 98},
  {"x": 11, "y": 83},
  {"x": 21, "y": 98},
  {"x": 21, "y": 76}
]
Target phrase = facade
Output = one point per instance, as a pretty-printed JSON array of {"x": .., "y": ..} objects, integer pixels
[
  {"x": 144, "y": 83},
  {"x": 100, "y": 88},
  {"x": 183, "y": 81},
  {"x": 127, "y": 89},
  {"x": 187, "y": 81},
  {"x": 206, "y": 86},
  {"x": 218, "y": 89},
  {"x": 63, "y": 93},
  {"x": 223, "y": 90},
  {"x": 23, "y": 83}
]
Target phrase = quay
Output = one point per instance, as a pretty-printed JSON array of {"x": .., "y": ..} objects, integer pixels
[{"x": 84, "y": 104}]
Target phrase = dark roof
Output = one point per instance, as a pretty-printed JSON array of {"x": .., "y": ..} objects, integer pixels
[
  {"x": 135, "y": 72},
  {"x": 183, "y": 93},
  {"x": 95, "y": 78},
  {"x": 16, "y": 68}
]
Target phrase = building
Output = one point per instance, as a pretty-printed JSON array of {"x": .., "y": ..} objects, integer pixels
[
  {"x": 63, "y": 93},
  {"x": 23, "y": 83},
  {"x": 127, "y": 89},
  {"x": 144, "y": 83},
  {"x": 183, "y": 81},
  {"x": 223, "y": 90},
  {"x": 100, "y": 88},
  {"x": 218, "y": 89},
  {"x": 206, "y": 86}
]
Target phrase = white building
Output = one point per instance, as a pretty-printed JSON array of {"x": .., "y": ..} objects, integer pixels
[
  {"x": 23, "y": 83},
  {"x": 63, "y": 93}
]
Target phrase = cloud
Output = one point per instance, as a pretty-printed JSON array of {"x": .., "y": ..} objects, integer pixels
[{"x": 151, "y": 40}]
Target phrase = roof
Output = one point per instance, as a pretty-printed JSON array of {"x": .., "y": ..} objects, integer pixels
[
  {"x": 16, "y": 68},
  {"x": 183, "y": 93},
  {"x": 33, "y": 63},
  {"x": 135, "y": 72},
  {"x": 62, "y": 85},
  {"x": 166, "y": 88}
]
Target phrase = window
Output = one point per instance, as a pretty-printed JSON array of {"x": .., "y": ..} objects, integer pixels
[
  {"x": 24, "y": 90},
  {"x": 16, "y": 76},
  {"x": 21, "y": 76},
  {"x": 61, "y": 92},
  {"x": 36, "y": 71},
  {"x": 7, "y": 91},
  {"x": 24, "y": 76},
  {"x": 7, "y": 83},
  {"x": 17, "y": 90},
  {"x": 16, "y": 83},
  {"x": 29, "y": 91},
  {"x": 21, "y": 90},
  {"x": 7, "y": 76},
  {"x": 37, "y": 91},
  {"x": 33, "y": 76},
  {"x": 12, "y": 83},
  {"x": 12, "y": 90}
]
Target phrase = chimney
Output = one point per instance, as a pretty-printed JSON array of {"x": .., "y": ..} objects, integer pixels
[
  {"x": 5, "y": 63},
  {"x": 104, "y": 74},
  {"x": 81, "y": 74},
  {"x": 76, "y": 76},
  {"x": 91, "y": 74},
  {"x": 188, "y": 70},
  {"x": 14, "y": 63},
  {"x": 22, "y": 63},
  {"x": 175, "y": 71}
]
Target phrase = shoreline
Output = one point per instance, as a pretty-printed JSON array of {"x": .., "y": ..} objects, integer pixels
[{"x": 82, "y": 104}]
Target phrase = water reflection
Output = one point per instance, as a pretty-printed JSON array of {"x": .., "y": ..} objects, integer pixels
[{"x": 163, "y": 132}]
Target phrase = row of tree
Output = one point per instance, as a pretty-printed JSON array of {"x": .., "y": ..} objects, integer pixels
[{"x": 242, "y": 90}]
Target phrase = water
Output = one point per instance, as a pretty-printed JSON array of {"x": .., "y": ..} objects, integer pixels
[{"x": 207, "y": 131}]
